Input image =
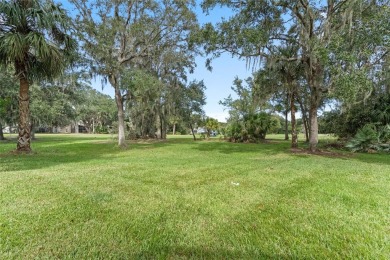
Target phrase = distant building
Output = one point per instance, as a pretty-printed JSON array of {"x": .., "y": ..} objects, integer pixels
[{"x": 201, "y": 130}]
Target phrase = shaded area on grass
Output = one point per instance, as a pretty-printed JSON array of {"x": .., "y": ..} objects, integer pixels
[
  {"x": 56, "y": 150},
  {"x": 85, "y": 198}
]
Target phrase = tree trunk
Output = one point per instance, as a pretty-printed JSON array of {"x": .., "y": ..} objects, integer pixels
[
  {"x": 306, "y": 126},
  {"x": 174, "y": 128},
  {"x": 313, "y": 128},
  {"x": 158, "y": 127},
  {"x": 163, "y": 131},
  {"x": 76, "y": 127},
  {"x": 32, "y": 131},
  {"x": 93, "y": 125},
  {"x": 315, "y": 94},
  {"x": 305, "y": 120},
  {"x": 121, "y": 114},
  {"x": 192, "y": 131},
  {"x": 142, "y": 125},
  {"x": 1, "y": 132},
  {"x": 163, "y": 126},
  {"x": 286, "y": 119},
  {"x": 294, "y": 136},
  {"x": 24, "y": 139},
  {"x": 286, "y": 125}
]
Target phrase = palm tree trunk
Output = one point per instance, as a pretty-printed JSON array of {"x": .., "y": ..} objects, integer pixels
[{"x": 24, "y": 139}]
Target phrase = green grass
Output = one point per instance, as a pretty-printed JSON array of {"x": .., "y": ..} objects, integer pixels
[{"x": 79, "y": 196}]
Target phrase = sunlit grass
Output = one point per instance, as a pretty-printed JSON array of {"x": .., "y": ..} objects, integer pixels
[{"x": 79, "y": 196}]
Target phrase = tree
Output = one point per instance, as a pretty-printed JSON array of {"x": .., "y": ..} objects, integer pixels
[
  {"x": 127, "y": 35},
  {"x": 96, "y": 110},
  {"x": 252, "y": 127},
  {"x": 190, "y": 104},
  {"x": 50, "y": 106},
  {"x": 34, "y": 42},
  {"x": 282, "y": 80},
  {"x": 8, "y": 100},
  {"x": 144, "y": 94},
  {"x": 211, "y": 124},
  {"x": 246, "y": 103},
  {"x": 333, "y": 38}
]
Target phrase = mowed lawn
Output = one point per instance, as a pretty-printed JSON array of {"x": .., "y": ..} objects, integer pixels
[{"x": 80, "y": 197}]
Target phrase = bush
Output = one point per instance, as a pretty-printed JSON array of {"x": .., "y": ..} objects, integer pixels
[
  {"x": 371, "y": 137},
  {"x": 252, "y": 128},
  {"x": 345, "y": 122},
  {"x": 233, "y": 131}
]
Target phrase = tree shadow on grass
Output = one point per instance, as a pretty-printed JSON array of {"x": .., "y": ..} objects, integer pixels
[
  {"x": 372, "y": 158},
  {"x": 270, "y": 147},
  {"x": 51, "y": 152},
  {"x": 48, "y": 152},
  {"x": 183, "y": 252},
  {"x": 343, "y": 155},
  {"x": 56, "y": 154},
  {"x": 273, "y": 147}
]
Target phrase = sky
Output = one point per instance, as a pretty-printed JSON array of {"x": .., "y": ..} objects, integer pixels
[
  {"x": 225, "y": 68},
  {"x": 218, "y": 81}
]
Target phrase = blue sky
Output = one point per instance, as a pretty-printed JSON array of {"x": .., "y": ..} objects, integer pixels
[
  {"x": 218, "y": 82},
  {"x": 225, "y": 69}
]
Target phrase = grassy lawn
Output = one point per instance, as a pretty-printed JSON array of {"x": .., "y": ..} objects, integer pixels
[{"x": 79, "y": 196}]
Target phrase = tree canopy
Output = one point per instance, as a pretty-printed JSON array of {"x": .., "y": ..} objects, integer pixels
[{"x": 35, "y": 43}]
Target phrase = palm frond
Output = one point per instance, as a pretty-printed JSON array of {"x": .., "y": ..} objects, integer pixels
[{"x": 35, "y": 33}]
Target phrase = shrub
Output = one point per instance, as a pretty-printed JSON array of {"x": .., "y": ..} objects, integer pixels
[
  {"x": 371, "y": 137},
  {"x": 251, "y": 128}
]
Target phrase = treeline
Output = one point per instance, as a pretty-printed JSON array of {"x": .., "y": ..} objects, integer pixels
[
  {"x": 142, "y": 49},
  {"x": 309, "y": 55},
  {"x": 306, "y": 55}
]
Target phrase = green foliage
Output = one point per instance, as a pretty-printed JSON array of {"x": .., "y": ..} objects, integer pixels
[
  {"x": 245, "y": 103},
  {"x": 34, "y": 38},
  {"x": 234, "y": 131},
  {"x": 341, "y": 45},
  {"x": 50, "y": 106},
  {"x": 364, "y": 139},
  {"x": 95, "y": 110},
  {"x": 211, "y": 124},
  {"x": 371, "y": 137},
  {"x": 8, "y": 97},
  {"x": 275, "y": 125},
  {"x": 252, "y": 127},
  {"x": 375, "y": 110}
]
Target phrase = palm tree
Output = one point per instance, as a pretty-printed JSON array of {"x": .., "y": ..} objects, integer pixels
[{"x": 34, "y": 42}]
